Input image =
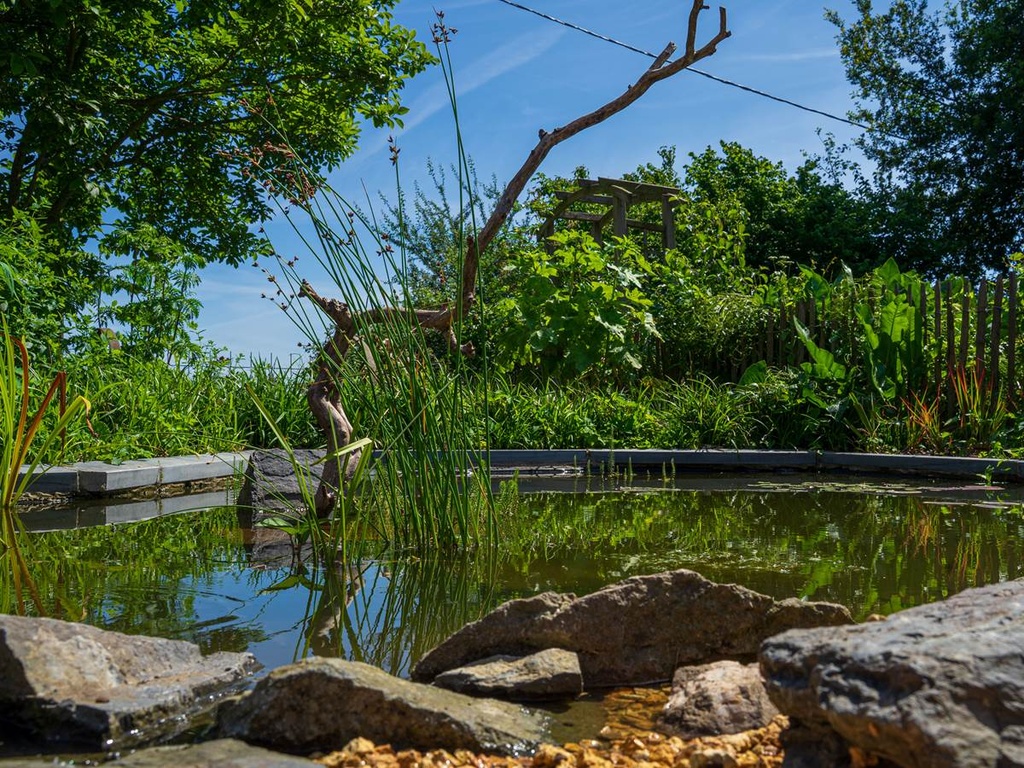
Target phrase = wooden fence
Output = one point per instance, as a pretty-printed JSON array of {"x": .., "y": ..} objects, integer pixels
[{"x": 958, "y": 330}]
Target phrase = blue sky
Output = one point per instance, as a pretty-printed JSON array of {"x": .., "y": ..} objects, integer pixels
[{"x": 516, "y": 73}]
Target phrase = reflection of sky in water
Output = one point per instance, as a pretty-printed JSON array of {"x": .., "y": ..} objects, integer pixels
[{"x": 290, "y": 623}]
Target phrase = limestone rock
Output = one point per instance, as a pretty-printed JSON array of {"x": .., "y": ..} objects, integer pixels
[
  {"x": 937, "y": 685},
  {"x": 66, "y": 682},
  {"x": 549, "y": 674},
  {"x": 714, "y": 699},
  {"x": 636, "y": 631},
  {"x": 320, "y": 704}
]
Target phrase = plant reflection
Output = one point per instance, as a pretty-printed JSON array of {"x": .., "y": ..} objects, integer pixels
[{"x": 199, "y": 577}]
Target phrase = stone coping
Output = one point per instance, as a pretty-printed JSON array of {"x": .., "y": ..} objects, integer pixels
[{"x": 100, "y": 479}]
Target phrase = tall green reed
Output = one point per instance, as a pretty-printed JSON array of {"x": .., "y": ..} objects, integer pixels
[
  {"x": 18, "y": 430},
  {"x": 431, "y": 487}
]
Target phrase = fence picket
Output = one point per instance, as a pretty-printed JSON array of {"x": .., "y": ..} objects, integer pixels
[{"x": 1011, "y": 344}]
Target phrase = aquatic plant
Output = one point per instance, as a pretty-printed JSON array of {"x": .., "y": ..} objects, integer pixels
[{"x": 19, "y": 459}]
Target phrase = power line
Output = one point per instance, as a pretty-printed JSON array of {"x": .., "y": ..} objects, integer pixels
[{"x": 696, "y": 71}]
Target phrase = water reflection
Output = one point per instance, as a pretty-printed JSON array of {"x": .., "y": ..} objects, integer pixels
[{"x": 204, "y": 577}]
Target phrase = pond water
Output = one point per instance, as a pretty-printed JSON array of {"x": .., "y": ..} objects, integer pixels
[{"x": 874, "y": 546}]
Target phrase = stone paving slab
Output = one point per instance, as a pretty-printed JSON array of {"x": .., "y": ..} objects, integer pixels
[
  {"x": 48, "y": 479},
  {"x": 97, "y": 478},
  {"x": 958, "y": 466}
]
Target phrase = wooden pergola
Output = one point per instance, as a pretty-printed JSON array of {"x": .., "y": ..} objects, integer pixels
[{"x": 619, "y": 196}]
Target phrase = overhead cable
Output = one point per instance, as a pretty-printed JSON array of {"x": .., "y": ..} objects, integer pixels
[{"x": 696, "y": 71}]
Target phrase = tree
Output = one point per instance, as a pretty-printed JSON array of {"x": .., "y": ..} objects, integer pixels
[
  {"x": 943, "y": 92},
  {"x": 781, "y": 219},
  {"x": 804, "y": 218},
  {"x": 140, "y": 110}
]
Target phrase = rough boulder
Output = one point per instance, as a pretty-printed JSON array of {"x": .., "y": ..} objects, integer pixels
[{"x": 637, "y": 631}]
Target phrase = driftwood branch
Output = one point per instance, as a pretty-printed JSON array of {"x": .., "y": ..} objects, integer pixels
[{"x": 323, "y": 395}]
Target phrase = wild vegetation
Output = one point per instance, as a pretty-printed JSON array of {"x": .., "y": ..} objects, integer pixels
[{"x": 784, "y": 317}]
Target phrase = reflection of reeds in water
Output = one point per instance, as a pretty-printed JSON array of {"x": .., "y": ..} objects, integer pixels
[
  {"x": 946, "y": 548},
  {"x": 874, "y": 553},
  {"x": 390, "y": 613},
  {"x": 126, "y": 576}
]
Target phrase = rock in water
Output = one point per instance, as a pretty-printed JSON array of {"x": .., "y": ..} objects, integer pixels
[
  {"x": 271, "y": 485},
  {"x": 637, "y": 631},
  {"x": 714, "y": 699},
  {"x": 937, "y": 685},
  {"x": 66, "y": 682},
  {"x": 222, "y": 753},
  {"x": 320, "y": 704},
  {"x": 549, "y": 674}
]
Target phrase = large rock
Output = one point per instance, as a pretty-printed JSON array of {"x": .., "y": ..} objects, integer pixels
[
  {"x": 549, "y": 674},
  {"x": 320, "y": 704},
  {"x": 65, "y": 682},
  {"x": 937, "y": 685},
  {"x": 714, "y": 699},
  {"x": 636, "y": 631}
]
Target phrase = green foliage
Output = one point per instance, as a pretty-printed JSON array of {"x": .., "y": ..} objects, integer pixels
[
  {"x": 139, "y": 108},
  {"x": 703, "y": 294},
  {"x": 943, "y": 90},
  {"x": 152, "y": 296},
  {"x": 687, "y": 415},
  {"x": 577, "y": 307},
  {"x": 132, "y": 131},
  {"x": 44, "y": 287},
  {"x": 145, "y": 408},
  {"x": 801, "y": 219},
  {"x": 282, "y": 391}
]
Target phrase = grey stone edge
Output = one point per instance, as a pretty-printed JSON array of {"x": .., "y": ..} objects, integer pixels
[
  {"x": 98, "y": 478},
  {"x": 95, "y": 478}
]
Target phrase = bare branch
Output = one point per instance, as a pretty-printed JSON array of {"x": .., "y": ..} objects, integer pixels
[
  {"x": 691, "y": 26},
  {"x": 657, "y": 72}
]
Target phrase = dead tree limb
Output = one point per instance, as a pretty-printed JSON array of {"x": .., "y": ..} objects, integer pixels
[{"x": 323, "y": 395}]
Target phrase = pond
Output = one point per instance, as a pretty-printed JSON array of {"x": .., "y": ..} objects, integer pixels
[{"x": 875, "y": 546}]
